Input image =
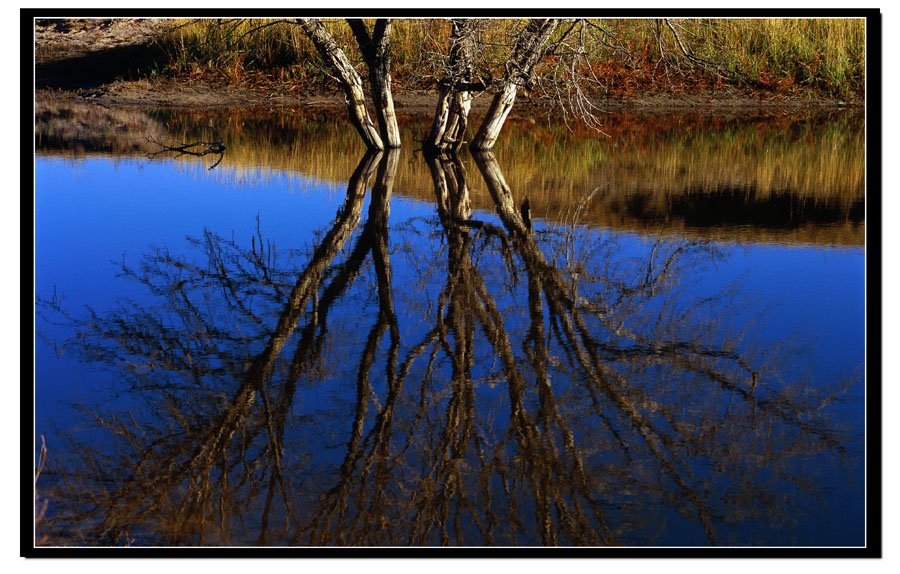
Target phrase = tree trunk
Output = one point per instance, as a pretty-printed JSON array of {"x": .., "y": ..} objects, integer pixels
[
  {"x": 493, "y": 122},
  {"x": 441, "y": 115},
  {"x": 451, "y": 115},
  {"x": 349, "y": 79},
  {"x": 451, "y": 118},
  {"x": 527, "y": 53},
  {"x": 376, "y": 50},
  {"x": 459, "y": 121}
]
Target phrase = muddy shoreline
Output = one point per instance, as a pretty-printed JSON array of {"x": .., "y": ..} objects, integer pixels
[{"x": 167, "y": 92}]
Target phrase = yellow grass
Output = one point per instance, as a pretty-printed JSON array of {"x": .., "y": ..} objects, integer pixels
[{"x": 824, "y": 56}]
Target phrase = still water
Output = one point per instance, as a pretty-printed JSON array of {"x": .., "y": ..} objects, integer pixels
[{"x": 653, "y": 337}]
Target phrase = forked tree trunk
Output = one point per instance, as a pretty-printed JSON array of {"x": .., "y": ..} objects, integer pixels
[
  {"x": 454, "y": 101},
  {"x": 376, "y": 50},
  {"x": 441, "y": 115},
  {"x": 349, "y": 79},
  {"x": 528, "y": 51}
]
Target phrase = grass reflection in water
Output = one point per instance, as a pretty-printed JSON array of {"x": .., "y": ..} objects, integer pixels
[
  {"x": 453, "y": 380},
  {"x": 782, "y": 179}
]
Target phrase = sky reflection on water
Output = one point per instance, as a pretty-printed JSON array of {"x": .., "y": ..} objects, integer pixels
[{"x": 348, "y": 363}]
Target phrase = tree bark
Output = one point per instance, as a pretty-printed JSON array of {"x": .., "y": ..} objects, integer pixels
[
  {"x": 348, "y": 78},
  {"x": 376, "y": 50},
  {"x": 441, "y": 115},
  {"x": 528, "y": 51},
  {"x": 459, "y": 120},
  {"x": 493, "y": 121},
  {"x": 451, "y": 115}
]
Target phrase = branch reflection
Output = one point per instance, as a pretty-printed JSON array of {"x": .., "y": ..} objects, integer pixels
[{"x": 519, "y": 385}]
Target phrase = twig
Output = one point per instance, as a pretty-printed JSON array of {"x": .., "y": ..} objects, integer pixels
[{"x": 196, "y": 149}]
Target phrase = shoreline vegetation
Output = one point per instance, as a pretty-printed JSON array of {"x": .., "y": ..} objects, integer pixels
[{"x": 646, "y": 64}]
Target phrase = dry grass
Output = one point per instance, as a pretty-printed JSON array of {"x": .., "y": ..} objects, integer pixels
[{"x": 792, "y": 56}]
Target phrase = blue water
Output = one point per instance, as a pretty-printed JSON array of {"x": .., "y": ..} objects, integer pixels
[{"x": 94, "y": 215}]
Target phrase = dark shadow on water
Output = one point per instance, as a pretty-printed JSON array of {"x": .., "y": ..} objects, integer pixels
[{"x": 736, "y": 206}]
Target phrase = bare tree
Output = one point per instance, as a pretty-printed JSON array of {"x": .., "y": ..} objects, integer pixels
[
  {"x": 528, "y": 51},
  {"x": 455, "y": 96},
  {"x": 456, "y": 87},
  {"x": 564, "y": 82},
  {"x": 375, "y": 48},
  {"x": 552, "y": 58}
]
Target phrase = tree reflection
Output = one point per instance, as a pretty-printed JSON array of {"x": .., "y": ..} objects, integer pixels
[{"x": 519, "y": 385}]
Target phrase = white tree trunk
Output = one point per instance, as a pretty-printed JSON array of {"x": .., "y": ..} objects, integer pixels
[
  {"x": 349, "y": 80},
  {"x": 441, "y": 115},
  {"x": 527, "y": 53},
  {"x": 448, "y": 131},
  {"x": 493, "y": 122},
  {"x": 376, "y": 51}
]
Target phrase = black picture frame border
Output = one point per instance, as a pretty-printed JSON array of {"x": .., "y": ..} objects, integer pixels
[{"x": 874, "y": 262}]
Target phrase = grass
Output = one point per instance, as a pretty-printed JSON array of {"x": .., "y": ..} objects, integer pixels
[
  {"x": 796, "y": 57},
  {"x": 826, "y": 55}
]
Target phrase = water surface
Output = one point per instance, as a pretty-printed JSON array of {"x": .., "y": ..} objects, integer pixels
[{"x": 653, "y": 337}]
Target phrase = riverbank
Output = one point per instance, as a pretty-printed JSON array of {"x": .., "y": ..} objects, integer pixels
[
  {"x": 106, "y": 61},
  {"x": 169, "y": 92}
]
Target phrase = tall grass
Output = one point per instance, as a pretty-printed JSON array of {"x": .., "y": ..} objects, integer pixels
[
  {"x": 795, "y": 56},
  {"x": 231, "y": 48},
  {"x": 825, "y": 54}
]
